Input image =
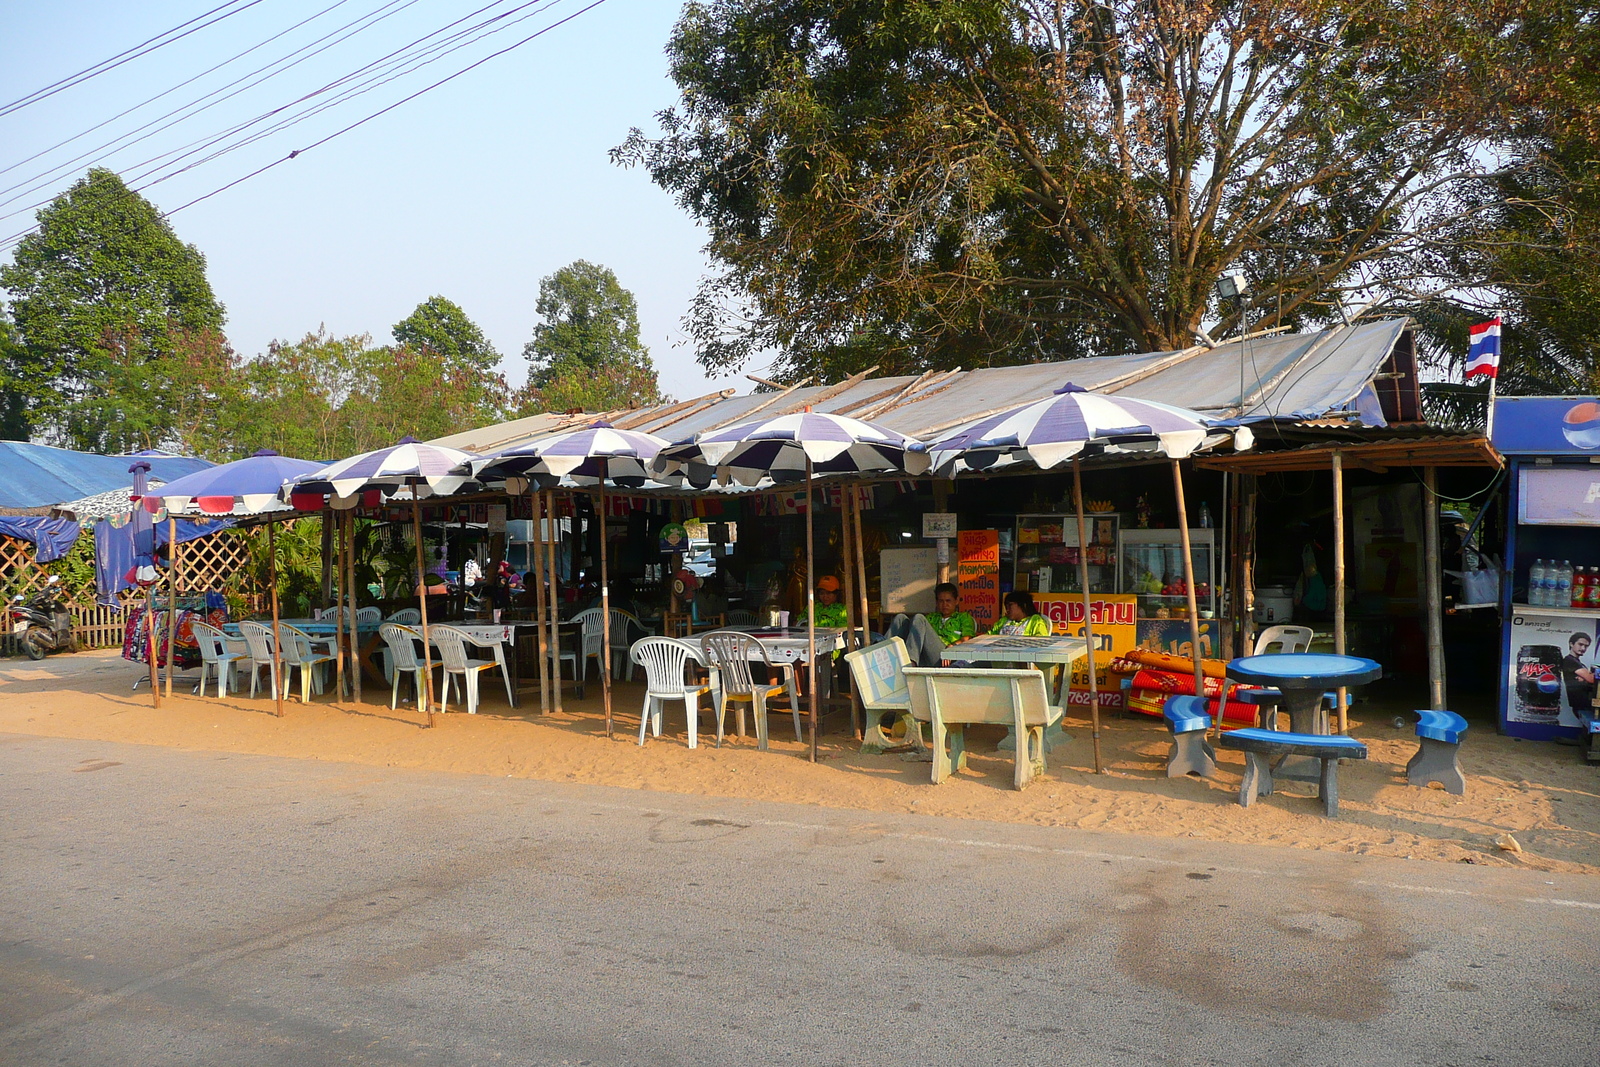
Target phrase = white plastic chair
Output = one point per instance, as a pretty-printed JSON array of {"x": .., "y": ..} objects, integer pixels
[
  {"x": 258, "y": 642},
  {"x": 299, "y": 653},
  {"x": 621, "y": 621},
  {"x": 733, "y": 654},
  {"x": 664, "y": 660},
  {"x": 741, "y": 617},
  {"x": 452, "y": 646},
  {"x": 399, "y": 642},
  {"x": 593, "y": 637},
  {"x": 1291, "y": 638},
  {"x": 368, "y": 616},
  {"x": 406, "y": 617},
  {"x": 215, "y": 657}
]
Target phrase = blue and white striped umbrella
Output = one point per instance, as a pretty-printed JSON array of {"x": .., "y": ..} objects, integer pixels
[
  {"x": 778, "y": 447},
  {"x": 425, "y": 469},
  {"x": 1069, "y": 423},
  {"x": 595, "y": 454}
]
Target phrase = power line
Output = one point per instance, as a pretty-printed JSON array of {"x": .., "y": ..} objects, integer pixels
[{"x": 142, "y": 49}]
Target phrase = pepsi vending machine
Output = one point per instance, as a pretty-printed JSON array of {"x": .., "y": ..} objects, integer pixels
[{"x": 1550, "y": 599}]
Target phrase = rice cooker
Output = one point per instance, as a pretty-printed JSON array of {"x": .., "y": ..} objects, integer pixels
[{"x": 1274, "y": 604}]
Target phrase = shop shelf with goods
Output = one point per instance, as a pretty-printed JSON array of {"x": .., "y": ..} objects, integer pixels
[
  {"x": 1152, "y": 570},
  {"x": 1047, "y": 553}
]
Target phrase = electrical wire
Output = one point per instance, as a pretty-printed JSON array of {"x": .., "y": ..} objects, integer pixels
[{"x": 127, "y": 56}]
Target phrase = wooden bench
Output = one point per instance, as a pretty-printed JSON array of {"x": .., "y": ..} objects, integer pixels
[
  {"x": 878, "y": 672},
  {"x": 1261, "y": 746},
  {"x": 1438, "y": 758},
  {"x": 952, "y": 698},
  {"x": 1189, "y": 722}
]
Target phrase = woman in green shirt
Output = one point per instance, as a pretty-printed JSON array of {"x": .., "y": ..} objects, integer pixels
[{"x": 1020, "y": 618}]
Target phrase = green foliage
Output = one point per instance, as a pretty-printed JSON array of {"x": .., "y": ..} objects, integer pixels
[
  {"x": 101, "y": 287},
  {"x": 926, "y": 183},
  {"x": 586, "y": 352},
  {"x": 439, "y": 327}
]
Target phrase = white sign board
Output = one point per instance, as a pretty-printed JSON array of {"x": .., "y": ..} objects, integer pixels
[
  {"x": 908, "y": 578},
  {"x": 938, "y": 524},
  {"x": 497, "y": 519}
]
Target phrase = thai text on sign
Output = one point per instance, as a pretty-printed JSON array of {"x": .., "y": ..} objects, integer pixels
[{"x": 978, "y": 575}]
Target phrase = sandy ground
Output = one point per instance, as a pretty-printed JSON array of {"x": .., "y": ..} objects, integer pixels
[{"x": 1544, "y": 795}]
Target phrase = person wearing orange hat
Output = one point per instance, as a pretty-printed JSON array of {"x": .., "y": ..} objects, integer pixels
[{"x": 829, "y": 612}]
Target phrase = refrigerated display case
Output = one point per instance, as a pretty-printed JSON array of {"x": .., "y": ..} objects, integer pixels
[
  {"x": 1152, "y": 570},
  {"x": 1046, "y": 559}
]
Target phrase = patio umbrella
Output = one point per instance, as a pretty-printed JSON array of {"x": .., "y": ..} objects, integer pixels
[
  {"x": 422, "y": 470},
  {"x": 244, "y": 487},
  {"x": 785, "y": 448},
  {"x": 593, "y": 455},
  {"x": 1067, "y": 425}
]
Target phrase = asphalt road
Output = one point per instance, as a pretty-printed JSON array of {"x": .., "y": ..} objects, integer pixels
[{"x": 165, "y": 907}]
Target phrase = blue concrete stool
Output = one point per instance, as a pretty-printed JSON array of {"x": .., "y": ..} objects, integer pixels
[
  {"x": 1191, "y": 752},
  {"x": 1438, "y": 759},
  {"x": 1260, "y": 746},
  {"x": 1265, "y": 702}
]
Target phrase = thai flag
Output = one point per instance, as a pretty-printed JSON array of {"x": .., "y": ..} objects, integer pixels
[{"x": 1483, "y": 351}]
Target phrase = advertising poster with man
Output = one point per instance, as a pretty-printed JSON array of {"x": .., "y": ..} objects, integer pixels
[{"x": 1553, "y": 667}]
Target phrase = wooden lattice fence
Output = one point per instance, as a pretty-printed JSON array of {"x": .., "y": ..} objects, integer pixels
[{"x": 219, "y": 562}]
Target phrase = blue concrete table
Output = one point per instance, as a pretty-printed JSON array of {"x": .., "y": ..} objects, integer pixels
[{"x": 1303, "y": 677}]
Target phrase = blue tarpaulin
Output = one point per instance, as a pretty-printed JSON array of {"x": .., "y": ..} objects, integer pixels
[
  {"x": 39, "y": 476},
  {"x": 114, "y": 550},
  {"x": 53, "y": 537}
]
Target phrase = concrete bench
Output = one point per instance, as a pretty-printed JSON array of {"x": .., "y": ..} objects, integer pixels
[
  {"x": 1261, "y": 746},
  {"x": 1189, "y": 722},
  {"x": 952, "y": 698},
  {"x": 1438, "y": 758},
  {"x": 878, "y": 672}
]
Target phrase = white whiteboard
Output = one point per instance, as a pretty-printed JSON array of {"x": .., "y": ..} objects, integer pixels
[{"x": 908, "y": 577}]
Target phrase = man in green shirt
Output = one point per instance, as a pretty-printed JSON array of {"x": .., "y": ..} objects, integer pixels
[
  {"x": 951, "y": 625},
  {"x": 829, "y": 612}
]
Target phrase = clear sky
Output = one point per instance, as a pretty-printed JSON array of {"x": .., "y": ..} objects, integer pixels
[{"x": 475, "y": 190}]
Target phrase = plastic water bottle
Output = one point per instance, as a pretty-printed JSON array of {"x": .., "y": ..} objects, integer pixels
[
  {"x": 1536, "y": 584},
  {"x": 1563, "y": 596}
]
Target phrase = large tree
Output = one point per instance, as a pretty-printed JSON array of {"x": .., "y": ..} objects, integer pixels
[
  {"x": 933, "y": 182},
  {"x": 586, "y": 353},
  {"x": 102, "y": 283},
  {"x": 439, "y": 326}
]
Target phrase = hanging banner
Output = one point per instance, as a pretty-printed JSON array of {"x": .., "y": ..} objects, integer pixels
[{"x": 978, "y": 575}]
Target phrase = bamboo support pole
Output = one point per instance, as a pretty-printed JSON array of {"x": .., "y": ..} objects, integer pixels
[
  {"x": 1431, "y": 564},
  {"x": 1194, "y": 607},
  {"x": 1338, "y": 579},
  {"x": 540, "y": 619},
  {"x": 172, "y": 597},
  {"x": 422, "y": 601},
  {"x": 277, "y": 633},
  {"x": 1088, "y": 615}
]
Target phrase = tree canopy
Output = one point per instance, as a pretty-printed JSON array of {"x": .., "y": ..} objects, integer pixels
[
  {"x": 937, "y": 182},
  {"x": 102, "y": 287},
  {"x": 585, "y": 352},
  {"x": 439, "y": 326}
]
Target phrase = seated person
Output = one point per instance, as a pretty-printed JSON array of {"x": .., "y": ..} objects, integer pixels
[
  {"x": 1019, "y": 617},
  {"x": 829, "y": 612},
  {"x": 927, "y": 636},
  {"x": 952, "y": 625}
]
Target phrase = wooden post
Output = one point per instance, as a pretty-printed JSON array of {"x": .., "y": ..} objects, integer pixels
[
  {"x": 861, "y": 559},
  {"x": 811, "y": 613},
  {"x": 605, "y": 614},
  {"x": 277, "y": 634},
  {"x": 1338, "y": 576},
  {"x": 355, "y": 631},
  {"x": 327, "y": 561},
  {"x": 941, "y": 502},
  {"x": 340, "y": 527},
  {"x": 1430, "y": 542},
  {"x": 1245, "y": 587},
  {"x": 1194, "y": 607},
  {"x": 537, "y": 501},
  {"x": 152, "y": 636},
  {"x": 852, "y": 564},
  {"x": 172, "y": 596},
  {"x": 553, "y": 558},
  {"x": 422, "y": 602},
  {"x": 1088, "y": 616}
]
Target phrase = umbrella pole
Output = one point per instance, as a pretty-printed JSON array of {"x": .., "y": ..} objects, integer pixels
[
  {"x": 277, "y": 637},
  {"x": 355, "y": 633},
  {"x": 1194, "y": 608},
  {"x": 338, "y": 603},
  {"x": 422, "y": 601},
  {"x": 1088, "y": 614},
  {"x": 605, "y": 614},
  {"x": 539, "y": 619},
  {"x": 555, "y": 599},
  {"x": 811, "y": 613},
  {"x": 852, "y": 610},
  {"x": 1338, "y": 574},
  {"x": 861, "y": 563},
  {"x": 154, "y": 641},
  {"x": 172, "y": 596}
]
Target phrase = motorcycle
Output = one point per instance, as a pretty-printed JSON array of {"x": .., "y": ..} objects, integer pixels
[{"x": 42, "y": 622}]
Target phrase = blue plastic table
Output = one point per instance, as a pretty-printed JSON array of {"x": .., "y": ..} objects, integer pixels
[{"x": 1303, "y": 677}]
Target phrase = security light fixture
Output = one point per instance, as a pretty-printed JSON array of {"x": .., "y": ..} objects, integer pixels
[{"x": 1233, "y": 285}]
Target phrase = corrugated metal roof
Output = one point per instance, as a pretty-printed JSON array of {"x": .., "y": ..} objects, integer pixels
[{"x": 1284, "y": 376}]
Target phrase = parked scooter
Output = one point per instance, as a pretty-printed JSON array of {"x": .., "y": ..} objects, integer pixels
[{"x": 42, "y": 622}]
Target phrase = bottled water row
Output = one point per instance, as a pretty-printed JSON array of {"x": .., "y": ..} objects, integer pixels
[{"x": 1551, "y": 584}]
